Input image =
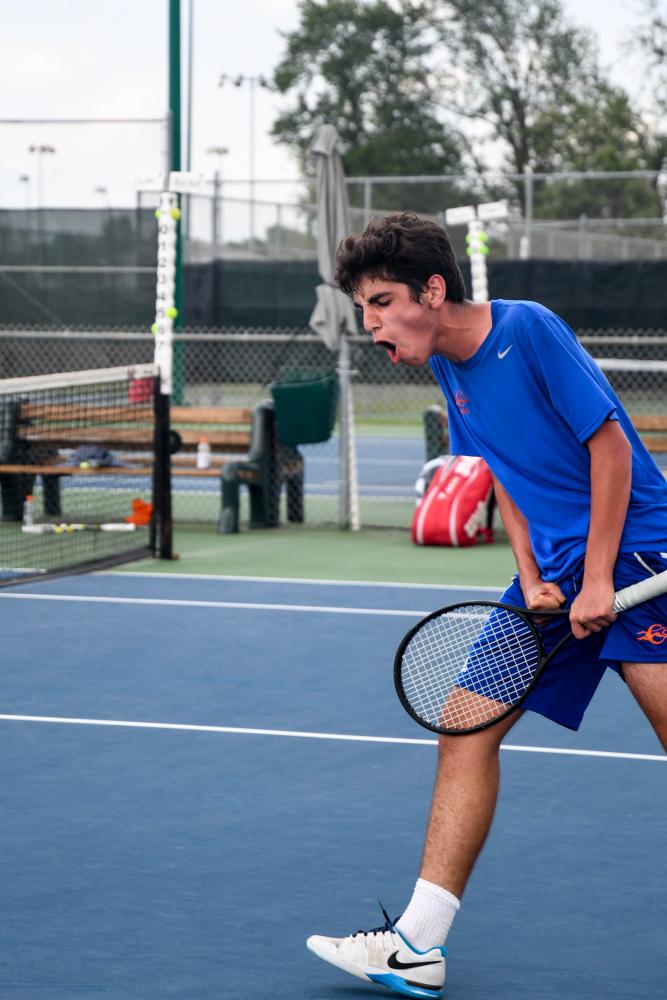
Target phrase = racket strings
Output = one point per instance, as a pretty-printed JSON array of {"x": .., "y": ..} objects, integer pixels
[{"x": 468, "y": 666}]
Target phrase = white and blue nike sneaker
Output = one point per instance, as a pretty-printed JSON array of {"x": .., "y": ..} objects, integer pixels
[{"x": 384, "y": 956}]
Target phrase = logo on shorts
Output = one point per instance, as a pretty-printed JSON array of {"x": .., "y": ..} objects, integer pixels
[
  {"x": 462, "y": 401},
  {"x": 655, "y": 634}
]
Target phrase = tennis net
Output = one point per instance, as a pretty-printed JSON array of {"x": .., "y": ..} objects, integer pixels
[{"x": 82, "y": 477}]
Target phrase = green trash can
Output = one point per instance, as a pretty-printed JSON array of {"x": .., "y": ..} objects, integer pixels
[{"x": 305, "y": 401}]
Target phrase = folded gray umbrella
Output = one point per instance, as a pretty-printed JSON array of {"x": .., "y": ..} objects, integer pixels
[
  {"x": 334, "y": 317},
  {"x": 334, "y": 312}
]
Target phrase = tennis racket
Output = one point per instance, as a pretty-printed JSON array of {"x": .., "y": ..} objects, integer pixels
[{"x": 467, "y": 666}]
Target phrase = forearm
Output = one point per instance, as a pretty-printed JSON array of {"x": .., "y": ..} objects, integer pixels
[
  {"x": 611, "y": 476},
  {"x": 516, "y": 528}
]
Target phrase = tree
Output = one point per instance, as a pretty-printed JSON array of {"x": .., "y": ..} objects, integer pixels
[
  {"x": 534, "y": 84},
  {"x": 463, "y": 86},
  {"x": 364, "y": 67},
  {"x": 651, "y": 42}
]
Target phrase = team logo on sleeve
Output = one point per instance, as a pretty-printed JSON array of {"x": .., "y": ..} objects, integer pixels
[
  {"x": 655, "y": 634},
  {"x": 462, "y": 401}
]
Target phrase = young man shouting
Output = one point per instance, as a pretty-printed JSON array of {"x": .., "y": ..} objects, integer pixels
[{"x": 585, "y": 510}]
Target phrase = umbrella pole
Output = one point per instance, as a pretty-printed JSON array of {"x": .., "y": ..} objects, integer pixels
[{"x": 348, "y": 499}]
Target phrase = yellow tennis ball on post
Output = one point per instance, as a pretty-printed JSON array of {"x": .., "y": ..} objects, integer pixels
[{"x": 175, "y": 213}]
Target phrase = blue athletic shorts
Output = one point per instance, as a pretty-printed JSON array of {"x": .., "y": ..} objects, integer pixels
[{"x": 639, "y": 635}]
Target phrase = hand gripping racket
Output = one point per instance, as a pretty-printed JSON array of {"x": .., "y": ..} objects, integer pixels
[{"x": 469, "y": 665}]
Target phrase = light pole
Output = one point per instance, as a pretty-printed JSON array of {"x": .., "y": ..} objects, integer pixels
[
  {"x": 216, "y": 227},
  {"x": 25, "y": 179},
  {"x": 253, "y": 82},
  {"x": 661, "y": 188},
  {"x": 40, "y": 151}
]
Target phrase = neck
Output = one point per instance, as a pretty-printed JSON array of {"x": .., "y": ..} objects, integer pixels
[{"x": 463, "y": 329}]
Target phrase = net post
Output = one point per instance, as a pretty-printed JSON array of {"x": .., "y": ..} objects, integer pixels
[
  {"x": 162, "y": 523},
  {"x": 166, "y": 312}
]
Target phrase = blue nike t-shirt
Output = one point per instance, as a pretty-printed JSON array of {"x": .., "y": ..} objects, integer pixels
[{"x": 526, "y": 402}]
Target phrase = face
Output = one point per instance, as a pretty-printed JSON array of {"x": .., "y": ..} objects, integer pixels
[{"x": 405, "y": 328}]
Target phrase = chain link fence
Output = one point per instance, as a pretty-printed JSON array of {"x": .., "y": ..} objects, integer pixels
[
  {"x": 65, "y": 272},
  {"x": 236, "y": 368},
  {"x": 559, "y": 216}
]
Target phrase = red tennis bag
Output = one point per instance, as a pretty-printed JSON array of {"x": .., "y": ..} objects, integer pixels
[{"x": 457, "y": 503}]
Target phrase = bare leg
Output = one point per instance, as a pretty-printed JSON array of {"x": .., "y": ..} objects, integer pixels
[
  {"x": 464, "y": 799},
  {"x": 648, "y": 683}
]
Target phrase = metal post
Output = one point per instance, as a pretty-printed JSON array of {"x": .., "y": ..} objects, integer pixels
[
  {"x": 215, "y": 228},
  {"x": 252, "y": 80},
  {"x": 39, "y": 178},
  {"x": 368, "y": 198},
  {"x": 525, "y": 246},
  {"x": 175, "y": 164},
  {"x": 279, "y": 222},
  {"x": 661, "y": 188},
  {"x": 584, "y": 245},
  {"x": 478, "y": 248},
  {"x": 344, "y": 428},
  {"x": 188, "y": 137},
  {"x": 188, "y": 140},
  {"x": 348, "y": 495}
]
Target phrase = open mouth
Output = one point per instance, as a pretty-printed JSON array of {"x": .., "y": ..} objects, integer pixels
[{"x": 391, "y": 349}]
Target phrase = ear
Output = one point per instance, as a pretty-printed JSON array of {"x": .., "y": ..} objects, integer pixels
[{"x": 435, "y": 291}]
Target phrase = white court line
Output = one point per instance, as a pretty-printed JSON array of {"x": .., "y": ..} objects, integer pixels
[
  {"x": 289, "y": 579},
  {"x": 298, "y": 734},
  {"x": 240, "y": 605}
]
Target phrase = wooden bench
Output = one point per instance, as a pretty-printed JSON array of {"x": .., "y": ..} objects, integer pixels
[
  {"x": 38, "y": 440},
  {"x": 652, "y": 429}
]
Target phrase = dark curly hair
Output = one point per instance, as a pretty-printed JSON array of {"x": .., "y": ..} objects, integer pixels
[{"x": 403, "y": 248}]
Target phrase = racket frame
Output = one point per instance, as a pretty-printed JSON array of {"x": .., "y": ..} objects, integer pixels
[{"x": 527, "y": 616}]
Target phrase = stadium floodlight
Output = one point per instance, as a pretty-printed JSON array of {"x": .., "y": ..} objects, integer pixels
[
  {"x": 40, "y": 150},
  {"x": 253, "y": 82},
  {"x": 220, "y": 152},
  {"x": 25, "y": 179}
]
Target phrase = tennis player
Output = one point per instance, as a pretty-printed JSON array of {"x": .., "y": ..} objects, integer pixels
[{"x": 585, "y": 510}]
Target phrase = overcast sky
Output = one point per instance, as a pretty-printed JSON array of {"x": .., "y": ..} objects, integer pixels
[{"x": 74, "y": 58}]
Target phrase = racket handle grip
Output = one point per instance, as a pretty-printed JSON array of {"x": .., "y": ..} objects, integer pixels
[{"x": 629, "y": 597}]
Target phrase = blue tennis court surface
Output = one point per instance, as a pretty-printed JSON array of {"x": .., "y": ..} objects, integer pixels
[{"x": 199, "y": 773}]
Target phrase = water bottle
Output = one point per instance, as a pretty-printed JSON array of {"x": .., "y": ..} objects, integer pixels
[
  {"x": 203, "y": 454},
  {"x": 29, "y": 511}
]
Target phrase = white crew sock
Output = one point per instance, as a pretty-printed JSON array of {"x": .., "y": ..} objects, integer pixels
[{"x": 429, "y": 915}]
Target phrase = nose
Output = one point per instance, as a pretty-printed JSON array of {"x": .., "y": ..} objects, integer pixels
[{"x": 371, "y": 320}]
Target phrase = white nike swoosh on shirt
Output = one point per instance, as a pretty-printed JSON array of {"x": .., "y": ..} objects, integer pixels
[{"x": 501, "y": 354}]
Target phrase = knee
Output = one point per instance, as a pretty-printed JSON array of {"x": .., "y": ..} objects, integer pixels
[{"x": 484, "y": 744}]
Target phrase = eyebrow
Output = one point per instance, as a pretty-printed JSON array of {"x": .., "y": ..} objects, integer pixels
[{"x": 373, "y": 299}]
